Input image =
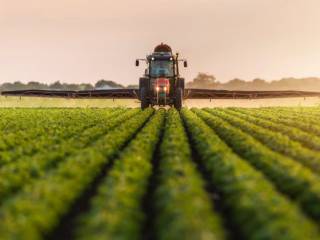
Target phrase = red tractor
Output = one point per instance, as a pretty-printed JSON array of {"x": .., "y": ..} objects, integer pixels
[{"x": 161, "y": 84}]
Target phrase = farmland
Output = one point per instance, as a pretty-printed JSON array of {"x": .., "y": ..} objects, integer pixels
[{"x": 124, "y": 173}]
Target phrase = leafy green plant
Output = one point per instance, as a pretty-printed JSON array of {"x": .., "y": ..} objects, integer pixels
[
  {"x": 116, "y": 211},
  {"x": 252, "y": 204},
  {"x": 289, "y": 176},
  {"x": 45, "y": 201},
  {"x": 183, "y": 209},
  {"x": 261, "y": 165},
  {"x": 30, "y": 168},
  {"x": 307, "y": 139},
  {"x": 274, "y": 140},
  {"x": 306, "y": 120}
]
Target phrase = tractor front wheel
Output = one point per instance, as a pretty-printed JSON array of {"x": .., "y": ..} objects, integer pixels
[
  {"x": 178, "y": 99},
  {"x": 143, "y": 98}
]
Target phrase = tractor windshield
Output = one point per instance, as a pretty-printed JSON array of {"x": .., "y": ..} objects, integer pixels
[{"x": 161, "y": 68}]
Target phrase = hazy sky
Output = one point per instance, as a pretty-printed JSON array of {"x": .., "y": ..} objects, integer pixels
[{"x": 86, "y": 40}]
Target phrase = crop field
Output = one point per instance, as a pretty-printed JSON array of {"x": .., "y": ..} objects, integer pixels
[{"x": 124, "y": 173}]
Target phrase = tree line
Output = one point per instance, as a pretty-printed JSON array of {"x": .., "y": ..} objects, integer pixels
[
  {"x": 101, "y": 84},
  {"x": 207, "y": 81},
  {"x": 202, "y": 80}
]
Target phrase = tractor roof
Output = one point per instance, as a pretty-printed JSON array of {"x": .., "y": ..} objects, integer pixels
[{"x": 163, "y": 48}]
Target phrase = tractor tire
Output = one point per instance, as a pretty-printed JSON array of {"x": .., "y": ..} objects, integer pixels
[
  {"x": 143, "y": 98},
  {"x": 178, "y": 98},
  {"x": 144, "y": 82},
  {"x": 181, "y": 83}
]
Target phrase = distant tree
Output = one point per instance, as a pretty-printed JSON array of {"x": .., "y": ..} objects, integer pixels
[
  {"x": 86, "y": 86},
  {"x": 203, "y": 80},
  {"x": 19, "y": 85},
  {"x": 258, "y": 81},
  {"x": 70, "y": 86},
  {"x": 235, "y": 84},
  {"x": 236, "y": 81},
  {"x": 56, "y": 86},
  {"x": 6, "y": 87},
  {"x": 107, "y": 83},
  {"x": 36, "y": 85},
  {"x": 258, "y": 84},
  {"x": 101, "y": 83}
]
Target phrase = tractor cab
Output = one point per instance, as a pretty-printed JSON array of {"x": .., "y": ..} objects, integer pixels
[
  {"x": 161, "y": 84},
  {"x": 162, "y": 68},
  {"x": 161, "y": 65}
]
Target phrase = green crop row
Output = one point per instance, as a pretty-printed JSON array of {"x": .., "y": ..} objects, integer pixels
[
  {"x": 308, "y": 139},
  {"x": 132, "y": 174},
  {"x": 116, "y": 211},
  {"x": 17, "y": 140},
  {"x": 301, "y": 120},
  {"x": 289, "y": 176},
  {"x": 251, "y": 203},
  {"x": 304, "y": 112},
  {"x": 37, "y": 137},
  {"x": 14, "y": 120},
  {"x": 183, "y": 209},
  {"x": 35, "y": 211},
  {"x": 291, "y": 117},
  {"x": 274, "y": 140},
  {"x": 27, "y": 169}
]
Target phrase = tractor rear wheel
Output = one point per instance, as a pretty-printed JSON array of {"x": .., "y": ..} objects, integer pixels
[
  {"x": 181, "y": 83},
  {"x": 143, "y": 98},
  {"x": 178, "y": 99}
]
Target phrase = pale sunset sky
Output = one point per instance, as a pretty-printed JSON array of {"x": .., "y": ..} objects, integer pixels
[{"x": 87, "y": 40}]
